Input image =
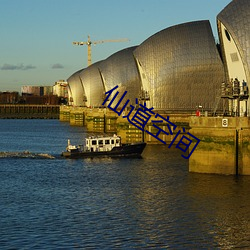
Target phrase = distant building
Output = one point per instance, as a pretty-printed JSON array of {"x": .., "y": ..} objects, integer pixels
[
  {"x": 47, "y": 90},
  {"x": 40, "y": 100},
  {"x": 37, "y": 90},
  {"x": 38, "y": 95},
  {"x": 9, "y": 97},
  {"x": 60, "y": 89},
  {"x": 30, "y": 90}
]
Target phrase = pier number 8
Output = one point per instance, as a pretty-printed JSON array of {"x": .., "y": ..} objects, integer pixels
[{"x": 224, "y": 123}]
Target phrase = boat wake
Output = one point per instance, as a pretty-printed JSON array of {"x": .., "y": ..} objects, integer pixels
[{"x": 26, "y": 154}]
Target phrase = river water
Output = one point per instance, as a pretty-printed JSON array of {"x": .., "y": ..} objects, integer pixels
[{"x": 151, "y": 203}]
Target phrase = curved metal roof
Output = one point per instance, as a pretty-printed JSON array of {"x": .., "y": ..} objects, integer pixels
[
  {"x": 236, "y": 18},
  {"x": 181, "y": 67},
  {"x": 92, "y": 85},
  {"x": 76, "y": 91},
  {"x": 120, "y": 69}
]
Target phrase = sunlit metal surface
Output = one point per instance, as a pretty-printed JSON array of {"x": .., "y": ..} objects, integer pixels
[
  {"x": 93, "y": 86},
  {"x": 76, "y": 91},
  {"x": 181, "y": 67},
  {"x": 236, "y": 18},
  {"x": 234, "y": 24},
  {"x": 120, "y": 69},
  {"x": 177, "y": 69}
]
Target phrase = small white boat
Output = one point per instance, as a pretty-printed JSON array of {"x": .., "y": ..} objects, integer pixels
[{"x": 96, "y": 146}]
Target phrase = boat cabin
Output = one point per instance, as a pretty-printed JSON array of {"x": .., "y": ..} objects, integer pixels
[{"x": 105, "y": 143}]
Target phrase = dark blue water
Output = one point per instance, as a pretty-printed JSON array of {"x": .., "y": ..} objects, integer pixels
[{"x": 148, "y": 203}]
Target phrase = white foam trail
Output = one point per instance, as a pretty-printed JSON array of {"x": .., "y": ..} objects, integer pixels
[{"x": 25, "y": 154}]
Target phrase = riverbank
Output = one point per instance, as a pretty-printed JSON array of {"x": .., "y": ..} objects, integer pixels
[{"x": 25, "y": 111}]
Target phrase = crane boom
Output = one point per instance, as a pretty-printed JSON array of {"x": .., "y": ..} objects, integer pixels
[
  {"x": 111, "y": 41},
  {"x": 89, "y": 43}
]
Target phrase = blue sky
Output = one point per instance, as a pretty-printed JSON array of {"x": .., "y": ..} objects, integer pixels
[{"x": 36, "y": 35}]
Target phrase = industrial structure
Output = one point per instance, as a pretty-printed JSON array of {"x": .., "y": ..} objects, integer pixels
[
  {"x": 181, "y": 68},
  {"x": 167, "y": 70},
  {"x": 178, "y": 69},
  {"x": 234, "y": 33},
  {"x": 89, "y": 44}
]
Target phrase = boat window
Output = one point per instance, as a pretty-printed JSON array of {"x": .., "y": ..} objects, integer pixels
[
  {"x": 100, "y": 142},
  {"x": 112, "y": 141},
  {"x": 107, "y": 142},
  {"x": 93, "y": 142},
  {"x": 117, "y": 141}
]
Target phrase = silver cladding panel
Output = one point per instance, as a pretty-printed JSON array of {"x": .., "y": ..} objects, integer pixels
[
  {"x": 76, "y": 90},
  {"x": 182, "y": 66},
  {"x": 236, "y": 18},
  {"x": 93, "y": 85},
  {"x": 120, "y": 69}
]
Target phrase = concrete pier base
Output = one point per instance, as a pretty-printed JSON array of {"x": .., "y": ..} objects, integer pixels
[
  {"x": 103, "y": 120},
  {"x": 64, "y": 114},
  {"x": 224, "y": 146}
]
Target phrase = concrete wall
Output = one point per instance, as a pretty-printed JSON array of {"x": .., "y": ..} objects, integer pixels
[
  {"x": 220, "y": 152},
  {"x": 102, "y": 120}
]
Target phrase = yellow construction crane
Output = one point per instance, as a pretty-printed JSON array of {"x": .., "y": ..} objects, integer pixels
[{"x": 89, "y": 43}]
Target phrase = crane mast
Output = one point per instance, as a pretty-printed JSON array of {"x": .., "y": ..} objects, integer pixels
[{"x": 89, "y": 43}]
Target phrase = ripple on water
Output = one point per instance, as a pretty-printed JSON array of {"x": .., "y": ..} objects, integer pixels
[{"x": 151, "y": 202}]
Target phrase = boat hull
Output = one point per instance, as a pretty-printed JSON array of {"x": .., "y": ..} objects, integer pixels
[{"x": 126, "y": 150}]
